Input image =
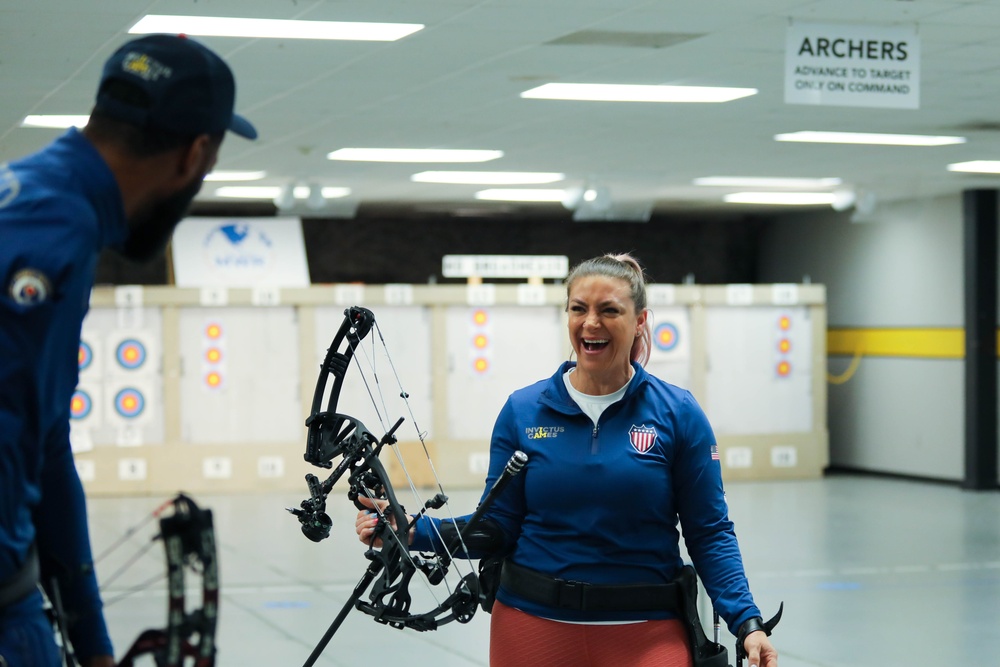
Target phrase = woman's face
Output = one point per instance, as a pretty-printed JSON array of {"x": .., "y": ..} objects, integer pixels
[{"x": 602, "y": 325}]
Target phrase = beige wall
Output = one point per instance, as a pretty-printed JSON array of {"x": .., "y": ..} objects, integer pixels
[{"x": 278, "y": 466}]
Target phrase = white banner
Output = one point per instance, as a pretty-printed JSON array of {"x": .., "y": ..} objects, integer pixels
[
  {"x": 505, "y": 266},
  {"x": 852, "y": 65},
  {"x": 248, "y": 252}
]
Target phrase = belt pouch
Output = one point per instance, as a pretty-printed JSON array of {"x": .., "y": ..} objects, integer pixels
[{"x": 704, "y": 652}]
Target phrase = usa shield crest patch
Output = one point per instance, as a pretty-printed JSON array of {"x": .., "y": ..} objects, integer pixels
[{"x": 642, "y": 438}]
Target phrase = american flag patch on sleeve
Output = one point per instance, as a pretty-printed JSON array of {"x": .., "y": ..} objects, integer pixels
[{"x": 715, "y": 452}]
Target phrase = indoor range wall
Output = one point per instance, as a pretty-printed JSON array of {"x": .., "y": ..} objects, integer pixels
[
  {"x": 895, "y": 290},
  {"x": 208, "y": 390}
]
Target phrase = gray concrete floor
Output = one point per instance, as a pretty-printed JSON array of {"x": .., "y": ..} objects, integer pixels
[{"x": 873, "y": 572}]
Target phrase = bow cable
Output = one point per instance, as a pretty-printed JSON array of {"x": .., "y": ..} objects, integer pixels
[
  {"x": 360, "y": 353},
  {"x": 421, "y": 435}
]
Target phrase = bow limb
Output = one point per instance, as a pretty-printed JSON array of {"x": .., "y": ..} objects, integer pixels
[{"x": 327, "y": 429}]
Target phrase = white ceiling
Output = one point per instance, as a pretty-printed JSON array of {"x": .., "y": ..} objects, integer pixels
[{"x": 456, "y": 84}]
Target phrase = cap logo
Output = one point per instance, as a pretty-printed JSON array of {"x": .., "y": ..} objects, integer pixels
[
  {"x": 29, "y": 287},
  {"x": 642, "y": 438},
  {"x": 144, "y": 67}
]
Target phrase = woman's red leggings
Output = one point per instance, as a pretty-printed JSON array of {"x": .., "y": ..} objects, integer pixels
[{"x": 518, "y": 639}]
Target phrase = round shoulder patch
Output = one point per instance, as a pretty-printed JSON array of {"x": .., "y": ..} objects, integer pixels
[{"x": 29, "y": 287}]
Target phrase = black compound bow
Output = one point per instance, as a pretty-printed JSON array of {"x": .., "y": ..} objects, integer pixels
[
  {"x": 188, "y": 537},
  {"x": 393, "y": 566}
]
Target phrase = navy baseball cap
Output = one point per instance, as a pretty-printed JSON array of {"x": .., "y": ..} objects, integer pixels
[{"x": 184, "y": 88}]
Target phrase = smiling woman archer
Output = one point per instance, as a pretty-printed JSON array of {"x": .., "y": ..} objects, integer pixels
[
  {"x": 586, "y": 581},
  {"x": 608, "y": 326}
]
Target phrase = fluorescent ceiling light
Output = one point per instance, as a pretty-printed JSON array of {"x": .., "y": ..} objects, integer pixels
[
  {"x": 752, "y": 182},
  {"x": 222, "y": 175},
  {"x": 521, "y": 194},
  {"x": 488, "y": 177},
  {"x": 220, "y": 26},
  {"x": 54, "y": 121},
  {"x": 274, "y": 191},
  {"x": 413, "y": 155},
  {"x": 976, "y": 167},
  {"x": 614, "y": 92},
  {"x": 867, "y": 138},
  {"x": 330, "y": 192},
  {"x": 782, "y": 198},
  {"x": 249, "y": 191}
]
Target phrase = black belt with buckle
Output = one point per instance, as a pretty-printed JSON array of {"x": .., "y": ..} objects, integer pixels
[
  {"x": 23, "y": 582},
  {"x": 582, "y": 596}
]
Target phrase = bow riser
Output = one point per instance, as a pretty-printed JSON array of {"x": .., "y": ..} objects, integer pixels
[{"x": 390, "y": 598}]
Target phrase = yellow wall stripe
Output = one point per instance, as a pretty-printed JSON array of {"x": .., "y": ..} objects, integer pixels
[{"x": 937, "y": 343}]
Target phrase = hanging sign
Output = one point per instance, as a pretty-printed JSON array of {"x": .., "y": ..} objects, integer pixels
[
  {"x": 505, "y": 266},
  {"x": 247, "y": 252},
  {"x": 852, "y": 65}
]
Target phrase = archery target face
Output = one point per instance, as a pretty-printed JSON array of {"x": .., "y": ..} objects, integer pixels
[
  {"x": 84, "y": 356},
  {"x": 86, "y": 412},
  {"x": 80, "y": 405},
  {"x": 492, "y": 351},
  {"x": 759, "y": 379},
  {"x": 480, "y": 335},
  {"x": 784, "y": 334},
  {"x": 133, "y": 353},
  {"x": 214, "y": 341},
  {"x": 130, "y": 354},
  {"x": 665, "y": 336},
  {"x": 213, "y": 379},
  {"x": 120, "y": 348},
  {"x": 671, "y": 339},
  {"x": 240, "y": 381},
  {"x": 670, "y": 350},
  {"x": 129, "y": 403}
]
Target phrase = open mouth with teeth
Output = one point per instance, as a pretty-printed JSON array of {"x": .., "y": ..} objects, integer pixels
[{"x": 595, "y": 344}]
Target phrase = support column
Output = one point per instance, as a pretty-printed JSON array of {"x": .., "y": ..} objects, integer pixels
[{"x": 980, "y": 239}]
